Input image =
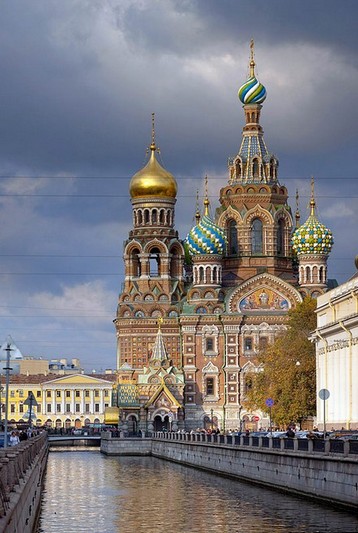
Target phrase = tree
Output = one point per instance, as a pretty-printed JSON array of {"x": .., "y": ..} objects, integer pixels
[{"x": 288, "y": 370}]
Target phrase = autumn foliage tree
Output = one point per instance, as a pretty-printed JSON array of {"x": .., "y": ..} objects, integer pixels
[{"x": 288, "y": 373}]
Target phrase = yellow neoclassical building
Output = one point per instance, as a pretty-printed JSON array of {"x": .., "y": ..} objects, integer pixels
[{"x": 62, "y": 402}]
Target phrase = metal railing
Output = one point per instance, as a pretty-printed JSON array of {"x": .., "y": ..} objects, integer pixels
[{"x": 322, "y": 446}]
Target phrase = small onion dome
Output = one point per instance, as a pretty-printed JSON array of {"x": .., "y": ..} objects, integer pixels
[
  {"x": 312, "y": 237},
  {"x": 153, "y": 180},
  {"x": 252, "y": 92},
  {"x": 206, "y": 238}
]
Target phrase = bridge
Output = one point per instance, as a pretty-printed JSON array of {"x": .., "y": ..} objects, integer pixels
[{"x": 74, "y": 440}]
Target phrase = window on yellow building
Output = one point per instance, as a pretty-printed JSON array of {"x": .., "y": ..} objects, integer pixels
[
  {"x": 58, "y": 394},
  {"x": 48, "y": 394}
]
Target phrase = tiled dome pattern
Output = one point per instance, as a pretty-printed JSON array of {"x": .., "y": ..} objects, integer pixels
[
  {"x": 206, "y": 238},
  {"x": 312, "y": 238}
]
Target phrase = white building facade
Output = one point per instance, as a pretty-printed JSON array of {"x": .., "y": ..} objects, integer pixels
[{"x": 337, "y": 356}]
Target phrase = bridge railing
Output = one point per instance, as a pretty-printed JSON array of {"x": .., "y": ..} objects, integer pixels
[
  {"x": 14, "y": 463},
  {"x": 327, "y": 446}
]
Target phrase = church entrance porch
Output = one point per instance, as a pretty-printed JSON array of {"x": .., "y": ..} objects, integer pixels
[{"x": 161, "y": 423}]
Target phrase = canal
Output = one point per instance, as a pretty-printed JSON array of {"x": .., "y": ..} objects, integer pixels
[{"x": 86, "y": 491}]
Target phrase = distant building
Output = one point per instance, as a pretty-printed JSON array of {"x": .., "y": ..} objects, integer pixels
[
  {"x": 337, "y": 355},
  {"x": 68, "y": 401},
  {"x": 29, "y": 365}
]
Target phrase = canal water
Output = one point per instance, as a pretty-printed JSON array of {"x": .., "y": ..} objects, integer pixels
[{"x": 86, "y": 491}]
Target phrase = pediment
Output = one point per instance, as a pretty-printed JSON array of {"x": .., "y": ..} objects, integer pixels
[
  {"x": 79, "y": 379},
  {"x": 210, "y": 368},
  {"x": 264, "y": 294}
]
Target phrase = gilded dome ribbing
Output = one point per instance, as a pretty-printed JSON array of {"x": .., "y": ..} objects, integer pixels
[{"x": 153, "y": 180}]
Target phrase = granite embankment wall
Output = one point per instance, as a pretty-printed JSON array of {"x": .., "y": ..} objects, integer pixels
[
  {"x": 21, "y": 473},
  {"x": 322, "y": 474}
]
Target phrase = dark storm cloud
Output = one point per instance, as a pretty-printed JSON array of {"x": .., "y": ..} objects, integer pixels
[{"x": 80, "y": 79}]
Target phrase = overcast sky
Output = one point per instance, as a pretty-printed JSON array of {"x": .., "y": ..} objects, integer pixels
[{"x": 79, "y": 81}]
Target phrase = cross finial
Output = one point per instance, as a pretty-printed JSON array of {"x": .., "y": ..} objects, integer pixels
[
  {"x": 312, "y": 202},
  {"x": 153, "y": 146},
  {"x": 252, "y": 59},
  {"x": 297, "y": 214},
  {"x": 197, "y": 210},
  {"x": 206, "y": 200}
]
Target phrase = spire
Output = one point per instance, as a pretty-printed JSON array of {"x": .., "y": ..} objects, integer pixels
[
  {"x": 206, "y": 200},
  {"x": 159, "y": 350},
  {"x": 252, "y": 60},
  {"x": 297, "y": 214}
]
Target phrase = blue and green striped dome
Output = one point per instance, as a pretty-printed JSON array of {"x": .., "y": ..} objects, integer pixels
[
  {"x": 312, "y": 238},
  {"x": 206, "y": 238},
  {"x": 252, "y": 92}
]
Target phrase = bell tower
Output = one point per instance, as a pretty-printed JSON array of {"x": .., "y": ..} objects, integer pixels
[
  {"x": 153, "y": 255},
  {"x": 254, "y": 209}
]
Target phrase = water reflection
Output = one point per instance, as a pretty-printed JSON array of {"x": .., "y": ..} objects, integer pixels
[{"x": 86, "y": 491}]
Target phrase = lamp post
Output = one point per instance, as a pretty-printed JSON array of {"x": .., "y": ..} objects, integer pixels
[
  {"x": 212, "y": 419},
  {"x": 1, "y": 391},
  {"x": 7, "y": 369}
]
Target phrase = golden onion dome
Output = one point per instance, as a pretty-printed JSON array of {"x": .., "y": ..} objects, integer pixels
[{"x": 153, "y": 180}]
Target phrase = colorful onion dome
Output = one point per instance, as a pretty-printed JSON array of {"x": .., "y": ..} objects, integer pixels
[
  {"x": 153, "y": 180},
  {"x": 206, "y": 237},
  {"x": 312, "y": 237},
  {"x": 252, "y": 91}
]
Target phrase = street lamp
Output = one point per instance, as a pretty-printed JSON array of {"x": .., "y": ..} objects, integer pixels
[
  {"x": 1, "y": 391},
  {"x": 212, "y": 419},
  {"x": 7, "y": 368}
]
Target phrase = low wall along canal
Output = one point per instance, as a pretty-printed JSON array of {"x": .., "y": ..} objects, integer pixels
[
  {"x": 322, "y": 469},
  {"x": 21, "y": 474}
]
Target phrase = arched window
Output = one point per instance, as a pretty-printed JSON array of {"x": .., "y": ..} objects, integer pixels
[
  {"x": 281, "y": 237},
  {"x": 209, "y": 382},
  {"x": 154, "y": 263},
  {"x": 136, "y": 264},
  {"x": 256, "y": 237},
  {"x": 146, "y": 216},
  {"x": 232, "y": 237},
  {"x": 238, "y": 169},
  {"x": 255, "y": 168},
  {"x": 154, "y": 216}
]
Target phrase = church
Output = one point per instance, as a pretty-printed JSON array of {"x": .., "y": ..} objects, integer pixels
[{"x": 194, "y": 312}]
